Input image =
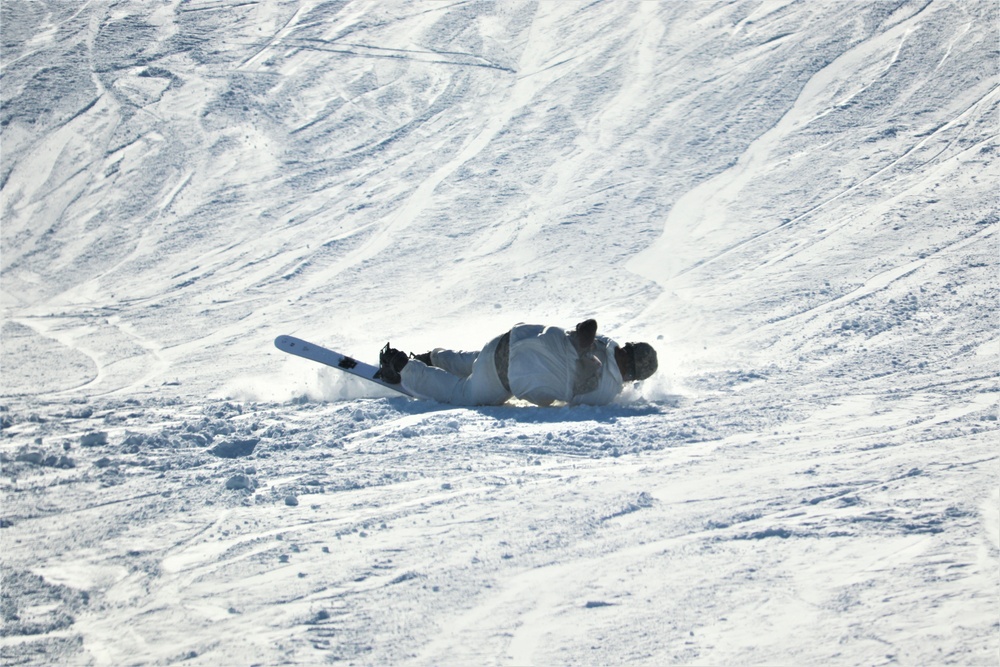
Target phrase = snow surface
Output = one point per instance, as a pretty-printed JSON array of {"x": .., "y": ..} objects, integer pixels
[{"x": 796, "y": 202}]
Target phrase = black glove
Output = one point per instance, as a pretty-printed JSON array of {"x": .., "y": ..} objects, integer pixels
[
  {"x": 586, "y": 332},
  {"x": 588, "y": 366}
]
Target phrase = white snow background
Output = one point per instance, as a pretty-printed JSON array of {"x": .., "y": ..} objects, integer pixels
[{"x": 796, "y": 202}]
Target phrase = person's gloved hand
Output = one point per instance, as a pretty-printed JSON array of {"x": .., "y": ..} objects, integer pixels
[{"x": 586, "y": 332}]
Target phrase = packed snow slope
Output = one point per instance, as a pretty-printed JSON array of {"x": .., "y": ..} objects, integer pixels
[{"x": 795, "y": 202}]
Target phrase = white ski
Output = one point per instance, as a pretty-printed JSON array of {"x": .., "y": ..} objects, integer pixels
[{"x": 314, "y": 352}]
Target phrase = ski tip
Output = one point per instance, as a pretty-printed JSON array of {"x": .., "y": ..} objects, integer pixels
[{"x": 283, "y": 341}]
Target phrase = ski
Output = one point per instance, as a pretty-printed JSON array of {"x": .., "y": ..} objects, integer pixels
[{"x": 318, "y": 353}]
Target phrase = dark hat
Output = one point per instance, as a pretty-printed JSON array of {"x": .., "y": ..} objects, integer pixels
[{"x": 642, "y": 360}]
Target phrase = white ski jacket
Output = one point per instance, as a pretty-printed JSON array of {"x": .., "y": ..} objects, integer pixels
[{"x": 545, "y": 366}]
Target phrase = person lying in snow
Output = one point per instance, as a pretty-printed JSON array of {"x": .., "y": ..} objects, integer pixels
[{"x": 532, "y": 362}]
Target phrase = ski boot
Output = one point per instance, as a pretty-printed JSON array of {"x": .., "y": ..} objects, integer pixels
[
  {"x": 390, "y": 362},
  {"x": 424, "y": 358}
]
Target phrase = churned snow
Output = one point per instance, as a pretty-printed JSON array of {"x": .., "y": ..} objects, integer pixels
[{"x": 796, "y": 203}]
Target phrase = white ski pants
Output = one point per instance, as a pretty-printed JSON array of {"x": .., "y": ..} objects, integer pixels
[{"x": 457, "y": 378}]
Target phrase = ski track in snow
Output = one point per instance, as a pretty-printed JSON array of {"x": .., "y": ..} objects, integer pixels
[{"x": 795, "y": 202}]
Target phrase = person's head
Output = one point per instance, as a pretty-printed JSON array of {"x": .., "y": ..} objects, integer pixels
[{"x": 636, "y": 361}]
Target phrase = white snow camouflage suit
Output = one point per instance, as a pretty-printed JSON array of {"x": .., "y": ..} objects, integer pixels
[{"x": 543, "y": 365}]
